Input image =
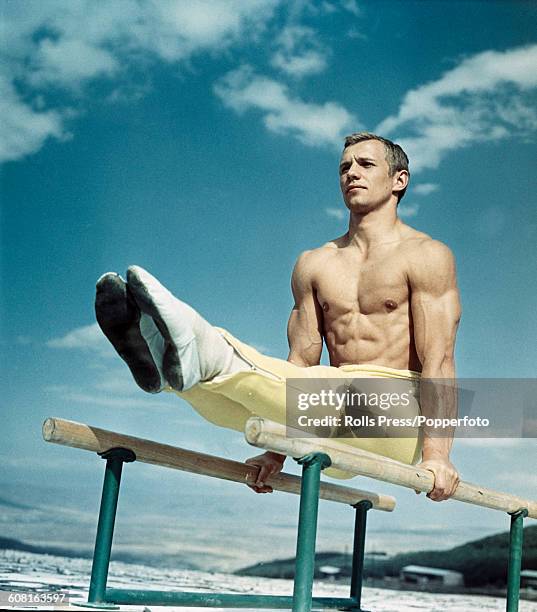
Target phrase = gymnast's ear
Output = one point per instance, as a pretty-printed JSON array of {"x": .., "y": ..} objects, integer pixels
[{"x": 400, "y": 180}]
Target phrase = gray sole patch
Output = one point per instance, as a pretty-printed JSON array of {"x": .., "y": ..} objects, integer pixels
[{"x": 171, "y": 364}]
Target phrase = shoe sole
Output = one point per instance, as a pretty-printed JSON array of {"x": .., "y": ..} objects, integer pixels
[
  {"x": 171, "y": 364},
  {"x": 118, "y": 317}
]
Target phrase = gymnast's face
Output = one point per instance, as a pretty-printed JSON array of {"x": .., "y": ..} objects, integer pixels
[{"x": 364, "y": 176}]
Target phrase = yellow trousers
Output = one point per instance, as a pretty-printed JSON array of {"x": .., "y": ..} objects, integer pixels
[{"x": 230, "y": 400}]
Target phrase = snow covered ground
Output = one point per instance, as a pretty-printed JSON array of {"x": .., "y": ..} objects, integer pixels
[{"x": 28, "y": 572}]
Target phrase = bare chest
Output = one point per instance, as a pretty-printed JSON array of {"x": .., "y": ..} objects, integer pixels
[{"x": 364, "y": 286}]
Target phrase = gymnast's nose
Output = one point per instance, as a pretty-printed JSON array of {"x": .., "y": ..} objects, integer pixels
[{"x": 353, "y": 171}]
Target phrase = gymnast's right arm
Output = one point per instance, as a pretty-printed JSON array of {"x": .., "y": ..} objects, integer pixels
[
  {"x": 304, "y": 333},
  {"x": 304, "y": 330}
]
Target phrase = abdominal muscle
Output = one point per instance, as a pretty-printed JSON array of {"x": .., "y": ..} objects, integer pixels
[{"x": 377, "y": 339}]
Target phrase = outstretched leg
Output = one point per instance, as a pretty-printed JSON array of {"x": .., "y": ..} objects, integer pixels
[
  {"x": 194, "y": 350},
  {"x": 164, "y": 341}
]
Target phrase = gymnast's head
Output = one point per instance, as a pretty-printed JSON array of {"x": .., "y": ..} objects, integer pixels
[{"x": 372, "y": 170}]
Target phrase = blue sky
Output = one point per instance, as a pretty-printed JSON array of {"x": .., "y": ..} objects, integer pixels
[{"x": 201, "y": 141}]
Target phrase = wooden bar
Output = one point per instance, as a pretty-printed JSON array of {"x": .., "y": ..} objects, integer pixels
[
  {"x": 79, "y": 435},
  {"x": 273, "y": 436}
]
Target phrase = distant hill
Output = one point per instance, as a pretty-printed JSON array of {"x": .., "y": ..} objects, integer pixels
[
  {"x": 13, "y": 544},
  {"x": 285, "y": 568},
  {"x": 482, "y": 562},
  {"x": 146, "y": 558}
]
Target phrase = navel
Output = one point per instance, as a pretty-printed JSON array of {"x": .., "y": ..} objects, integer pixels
[
  {"x": 390, "y": 304},
  {"x": 326, "y": 307}
]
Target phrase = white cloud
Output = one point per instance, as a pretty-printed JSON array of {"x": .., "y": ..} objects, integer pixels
[
  {"x": 337, "y": 213},
  {"x": 58, "y": 62},
  {"x": 299, "y": 52},
  {"x": 408, "y": 210},
  {"x": 65, "y": 44},
  {"x": 425, "y": 189},
  {"x": 313, "y": 124},
  {"x": 117, "y": 402},
  {"x": 351, "y": 6},
  {"x": 357, "y": 34},
  {"x": 87, "y": 338},
  {"x": 489, "y": 96},
  {"x": 23, "y": 128},
  {"x": 116, "y": 382},
  {"x": 326, "y": 7},
  {"x": 123, "y": 396},
  {"x": 111, "y": 387}
]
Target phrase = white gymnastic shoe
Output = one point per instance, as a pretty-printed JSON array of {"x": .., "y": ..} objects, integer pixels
[
  {"x": 179, "y": 326},
  {"x": 119, "y": 318}
]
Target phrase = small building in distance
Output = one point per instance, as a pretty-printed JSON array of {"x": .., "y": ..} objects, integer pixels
[
  {"x": 528, "y": 579},
  {"x": 330, "y": 572},
  {"x": 419, "y": 574}
]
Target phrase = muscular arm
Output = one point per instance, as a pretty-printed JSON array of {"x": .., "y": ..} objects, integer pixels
[
  {"x": 304, "y": 332},
  {"x": 436, "y": 312}
]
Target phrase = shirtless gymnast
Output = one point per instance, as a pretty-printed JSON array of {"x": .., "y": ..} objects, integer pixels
[{"x": 383, "y": 297}]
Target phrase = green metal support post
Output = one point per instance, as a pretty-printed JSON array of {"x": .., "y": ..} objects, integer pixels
[
  {"x": 218, "y": 600},
  {"x": 358, "y": 552},
  {"x": 115, "y": 457},
  {"x": 516, "y": 536},
  {"x": 312, "y": 465}
]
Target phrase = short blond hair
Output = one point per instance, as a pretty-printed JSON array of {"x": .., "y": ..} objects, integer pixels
[{"x": 396, "y": 158}]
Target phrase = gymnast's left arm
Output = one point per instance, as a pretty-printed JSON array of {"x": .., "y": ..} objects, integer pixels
[{"x": 436, "y": 311}]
